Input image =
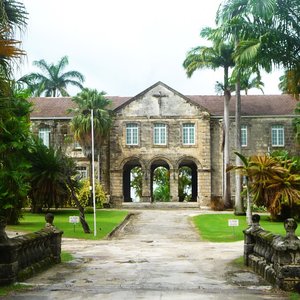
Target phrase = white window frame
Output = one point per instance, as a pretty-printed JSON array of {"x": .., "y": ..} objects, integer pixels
[
  {"x": 244, "y": 135},
  {"x": 188, "y": 134},
  {"x": 44, "y": 136},
  {"x": 160, "y": 134},
  {"x": 77, "y": 146},
  {"x": 132, "y": 134},
  {"x": 82, "y": 171},
  {"x": 277, "y": 136}
]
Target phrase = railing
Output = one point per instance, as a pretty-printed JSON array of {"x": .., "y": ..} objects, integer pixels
[
  {"x": 25, "y": 255},
  {"x": 274, "y": 257}
]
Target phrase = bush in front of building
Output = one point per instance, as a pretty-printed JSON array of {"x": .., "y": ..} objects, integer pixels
[{"x": 84, "y": 195}]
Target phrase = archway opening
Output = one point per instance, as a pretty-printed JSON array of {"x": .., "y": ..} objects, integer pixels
[
  {"x": 188, "y": 181},
  {"x": 160, "y": 182},
  {"x": 185, "y": 184},
  {"x": 132, "y": 181}
]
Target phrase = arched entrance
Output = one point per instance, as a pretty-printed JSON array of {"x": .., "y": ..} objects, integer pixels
[
  {"x": 132, "y": 181},
  {"x": 187, "y": 181},
  {"x": 160, "y": 181}
]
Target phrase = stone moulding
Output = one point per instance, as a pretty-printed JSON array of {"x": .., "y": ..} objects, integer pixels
[
  {"x": 23, "y": 256},
  {"x": 276, "y": 258}
]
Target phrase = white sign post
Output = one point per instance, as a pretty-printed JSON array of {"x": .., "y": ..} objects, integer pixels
[
  {"x": 74, "y": 220},
  {"x": 233, "y": 223}
]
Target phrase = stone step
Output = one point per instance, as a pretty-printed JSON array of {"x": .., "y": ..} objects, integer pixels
[{"x": 160, "y": 205}]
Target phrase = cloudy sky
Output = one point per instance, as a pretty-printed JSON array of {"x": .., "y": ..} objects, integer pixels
[{"x": 123, "y": 47}]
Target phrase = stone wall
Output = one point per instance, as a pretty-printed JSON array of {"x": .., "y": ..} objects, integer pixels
[
  {"x": 23, "y": 256},
  {"x": 274, "y": 257}
]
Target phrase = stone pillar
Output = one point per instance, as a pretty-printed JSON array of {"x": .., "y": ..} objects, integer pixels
[
  {"x": 204, "y": 187},
  {"x": 146, "y": 186},
  {"x": 249, "y": 241},
  {"x": 174, "y": 185},
  {"x": 116, "y": 188},
  {"x": 287, "y": 258}
]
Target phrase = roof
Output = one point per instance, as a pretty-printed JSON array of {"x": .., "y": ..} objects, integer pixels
[
  {"x": 259, "y": 105},
  {"x": 251, "y": 105}
]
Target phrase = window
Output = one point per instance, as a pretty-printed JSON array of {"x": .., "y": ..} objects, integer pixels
[
  {"x": 277, "y": 135},
  {"x": 44, "y": 135},
  {"x": 160, "y": 134},
  {"x": 188, "y": 134},
  {"x": 132, "y": 134},
  {"x": 77, "y": 145},
  {"x": 82, "y": 171},
  {"x": 244, "y": 135}
]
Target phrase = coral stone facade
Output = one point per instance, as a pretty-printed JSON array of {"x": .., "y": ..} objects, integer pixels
[{"x": 162, "y": 128}]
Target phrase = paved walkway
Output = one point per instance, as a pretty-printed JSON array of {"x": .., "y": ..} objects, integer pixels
[{"x": 158, "y": 255}]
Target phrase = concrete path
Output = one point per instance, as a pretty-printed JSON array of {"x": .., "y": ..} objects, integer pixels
[{"x": 158, "y": 255}]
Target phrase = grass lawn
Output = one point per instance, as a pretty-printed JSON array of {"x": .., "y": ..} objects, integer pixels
[
  {"x": 214, "y": 227},
  {"x": 106, "y": 221}
]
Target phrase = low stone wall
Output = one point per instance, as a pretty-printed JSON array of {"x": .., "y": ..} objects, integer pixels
[
  {"x": 276, "y": 258},
  {"x": 25, "y": 255}
]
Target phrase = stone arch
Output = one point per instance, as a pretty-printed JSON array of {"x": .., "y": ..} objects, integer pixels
[
  {"x": 127, "y": 165},
  {"x": 158, "y": 162},
  {"x": 193, "y": 165}
]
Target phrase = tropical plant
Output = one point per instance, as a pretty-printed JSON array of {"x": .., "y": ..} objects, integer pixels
[
  {"x": 52, "y": 180},
  {"x": 161, "y": 182},
  {"x": 296, "y": 123},
  {"x": 274, "y": 182},
  {"x": 89, "y": 100},
  {"x": 220, "y": 55},
  {"x": 52, "y": 81},
  {"x": 268, "y": 33},
  {"x": 14, "y": 110},
  {"x": 137, "y": 181},
  {"x": 185, "y": 184},
  {"x": 84, "y": 194}
]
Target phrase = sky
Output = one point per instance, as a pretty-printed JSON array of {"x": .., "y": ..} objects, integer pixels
[{"x": 123, "y": 47}]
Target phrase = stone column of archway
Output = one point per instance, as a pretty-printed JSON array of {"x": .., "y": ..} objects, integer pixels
[
  {"x": 146, "y": 186},
  {"x": 204, "y": 190},
  {"x": 174, "y": 185},
  {"x": 116, "y": 188}
]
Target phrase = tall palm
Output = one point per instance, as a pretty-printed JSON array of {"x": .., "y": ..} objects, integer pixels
[
  {"x": 232, "y": 20},
  {"x": 268, "y": 31},
  {"x": 217, "y": 56},
  {"x": 52, "y": 81},
  {"x": 87, "y": 100}
]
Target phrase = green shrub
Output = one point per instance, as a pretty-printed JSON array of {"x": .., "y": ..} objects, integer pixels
[{"x": 84, "y": 195}]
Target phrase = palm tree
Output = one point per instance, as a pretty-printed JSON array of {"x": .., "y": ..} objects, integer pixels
[
  {"x": 232, "y": 17},
  {"x": 217, "y": 56},
  {"x": 53, "y": 82},
  {"x": 87, "y": 100},
  {"x": 52, "y": 180},
  {"x": 268, "y": 32}
]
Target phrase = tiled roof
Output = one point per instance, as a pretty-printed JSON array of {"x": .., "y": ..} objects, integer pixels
[
  {"x": 48, "y": 107},
  {"x": 252, "y": 105}
]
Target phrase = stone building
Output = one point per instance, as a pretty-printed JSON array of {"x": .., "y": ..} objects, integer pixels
[{"x": 162, "y": 128}]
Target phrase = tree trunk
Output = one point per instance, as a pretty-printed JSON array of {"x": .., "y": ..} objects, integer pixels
[
  {"x": 226, "y": 175},
  {"x": 239, "y": 208},
  {"x": 84, "y": 224}
]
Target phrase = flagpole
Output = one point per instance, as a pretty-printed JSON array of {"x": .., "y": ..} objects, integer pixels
[{"x": 93, "y": 171}]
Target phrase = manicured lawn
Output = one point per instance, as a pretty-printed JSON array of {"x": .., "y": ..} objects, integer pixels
[
  {"x": 106, "y": 221},
  {"x": 214, "y": 227}
]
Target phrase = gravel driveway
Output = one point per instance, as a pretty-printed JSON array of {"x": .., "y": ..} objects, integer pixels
[{"x": 157, "y": 255}]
